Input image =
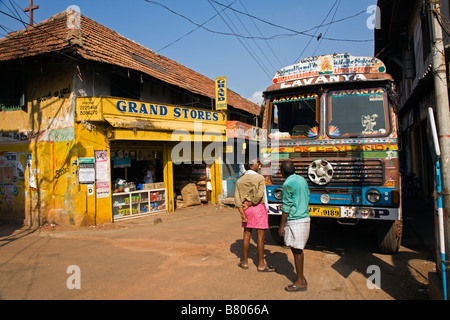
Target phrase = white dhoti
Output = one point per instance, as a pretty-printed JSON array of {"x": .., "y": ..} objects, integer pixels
[{"x": 296, "y": 233}]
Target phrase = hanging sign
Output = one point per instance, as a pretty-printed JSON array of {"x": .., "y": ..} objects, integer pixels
[{"x": 221, "y": 93}]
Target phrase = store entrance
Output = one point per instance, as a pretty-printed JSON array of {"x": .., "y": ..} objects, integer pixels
[{"x": 191, "y": 181}]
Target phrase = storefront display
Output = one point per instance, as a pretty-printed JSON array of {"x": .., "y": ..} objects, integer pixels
[
  {"x": 138, "y": 203},
  {"x": 137, "y": 176}
]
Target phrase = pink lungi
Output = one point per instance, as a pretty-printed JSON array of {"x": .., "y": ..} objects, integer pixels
[{"x": 257, "y": 217}]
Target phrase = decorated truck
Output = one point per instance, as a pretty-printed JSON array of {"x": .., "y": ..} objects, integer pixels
[{"x": 334, "y": 117}]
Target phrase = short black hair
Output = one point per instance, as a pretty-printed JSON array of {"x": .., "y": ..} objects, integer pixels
[
  {"x": 288, "y": 167},
  {"x": 250, "y": 162}
]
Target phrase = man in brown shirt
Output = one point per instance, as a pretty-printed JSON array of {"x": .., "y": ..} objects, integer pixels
[{"x": 249, "y": 198}]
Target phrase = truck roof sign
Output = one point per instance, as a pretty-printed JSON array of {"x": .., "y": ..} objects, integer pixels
[{"x": 337, "y": 67}]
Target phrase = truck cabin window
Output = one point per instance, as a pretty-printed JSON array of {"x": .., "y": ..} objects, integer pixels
[
  {"x": 295, "y": 116},
  {"x": 357, "y": 113}
]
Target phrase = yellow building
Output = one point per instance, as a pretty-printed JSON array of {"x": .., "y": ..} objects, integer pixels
[{"x": 84, "y": 109}]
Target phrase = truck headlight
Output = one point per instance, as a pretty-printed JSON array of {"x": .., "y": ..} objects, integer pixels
[
  {"x": 373, "y": 196},
  {"x": 325, "y": 198},
  {"x": 278, "y": 193}
]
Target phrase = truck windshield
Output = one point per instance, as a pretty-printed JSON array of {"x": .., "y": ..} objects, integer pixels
[
  {"x": 295, "y": 116},
  {"x": 357, "y": 113}
]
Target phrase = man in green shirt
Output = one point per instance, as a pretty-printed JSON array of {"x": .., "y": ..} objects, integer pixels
[{"x": 295, "y": 220}]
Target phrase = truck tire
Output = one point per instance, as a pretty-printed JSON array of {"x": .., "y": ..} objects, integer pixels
[
  {"x": 389, "y": 236},
  {"x": 274, "y": 225}
]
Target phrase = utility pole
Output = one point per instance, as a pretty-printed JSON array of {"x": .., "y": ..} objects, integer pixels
[{"x": 442, "y": 111}]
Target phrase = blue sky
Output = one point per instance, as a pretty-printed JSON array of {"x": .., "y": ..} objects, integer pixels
[{"x": 269, "y": 40}]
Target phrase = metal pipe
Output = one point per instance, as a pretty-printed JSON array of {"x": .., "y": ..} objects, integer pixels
[{"x": 440, "y": 210}]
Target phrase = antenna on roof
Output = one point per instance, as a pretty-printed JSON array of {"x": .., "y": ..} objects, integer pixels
[{"x": 31, "y": 8}]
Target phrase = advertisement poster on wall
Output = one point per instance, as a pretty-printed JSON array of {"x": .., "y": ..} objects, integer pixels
[
  {"x": 86, "y": 171},
  {"x": 102, "y": 174}
]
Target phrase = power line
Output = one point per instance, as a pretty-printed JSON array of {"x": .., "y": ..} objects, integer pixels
[
  {"x": 332, "y": 19},
  {"x": 249, "y": 46},
  {"x": 317, "y": 30},
  {"x": 293, "y": 32},
  {"x": 198, "y": 27},
  {"x": 14, "y": 8},
  {"x": 254, "y": 41},
  {"x": 11, "y": 10},
  {"x": 4, "y": 29},
  {"x": 202, "y": 26},
  {"x": 18, "y": 15},
  {"x": 18, "y": 6},
  {"x": 240, "y": 40},
  {"x": 267, "y": 43}
]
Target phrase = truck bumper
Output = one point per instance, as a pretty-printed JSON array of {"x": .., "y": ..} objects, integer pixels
[{"x": 340, "y": 212}]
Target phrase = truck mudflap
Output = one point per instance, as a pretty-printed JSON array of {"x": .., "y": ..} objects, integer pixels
[{"x": 339, "y": 212}]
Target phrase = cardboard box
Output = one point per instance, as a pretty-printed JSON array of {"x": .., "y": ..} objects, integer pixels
[
  {"x": 151, "y": 186},
  {"x": 148, "y": 186},
  {"x": 159, "y": 185}
]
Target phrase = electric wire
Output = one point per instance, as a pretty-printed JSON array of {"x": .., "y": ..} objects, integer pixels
[
  {"x": 256, "y": 56},
  {"x": 242, "y": 43},
  {"x": 255, "y": 42},
  {"x": 4, "y": 29},
  {"x": 193, "y": 30},
  {"x": 11, "y": 10},
  {"x": 205, "y": 28},
  {"x": 293, "y": 32},
  {"x": 265, "y": 40},
  {"x": 14, "y": 3},
  {"x": 14, "y": 7},
  {"x": 317, "y": 30},
  {"x": 338, "y": 3}
]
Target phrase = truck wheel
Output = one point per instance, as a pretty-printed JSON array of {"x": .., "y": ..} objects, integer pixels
[
  {"x": 274, "y": 225},
  {"x": 389, "y": 236}
]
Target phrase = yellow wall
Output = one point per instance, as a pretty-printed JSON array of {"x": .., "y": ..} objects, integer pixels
[
  {"x": 89, "y": 138},
  {"x": 12, "y": 183},
  {"x": 49, "y": 190},
  {"x": 168, "y": 177},
  {"x": 43, "y": 131}
]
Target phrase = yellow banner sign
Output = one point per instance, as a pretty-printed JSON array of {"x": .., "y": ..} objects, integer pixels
[
  {"x": 221, "y": 93},
  {"x": 95, "y": 109}
]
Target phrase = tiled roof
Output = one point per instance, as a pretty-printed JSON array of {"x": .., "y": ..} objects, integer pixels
[{"x": 96, "y": 42}]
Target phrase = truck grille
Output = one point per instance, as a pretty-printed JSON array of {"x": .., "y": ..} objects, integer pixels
[{"x": 347, "y": 172}]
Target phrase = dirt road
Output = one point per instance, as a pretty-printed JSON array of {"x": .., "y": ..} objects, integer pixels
[{"x": 193, "y": 254}]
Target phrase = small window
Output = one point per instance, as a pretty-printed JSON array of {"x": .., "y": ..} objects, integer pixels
[{"x": 12, "y": 92}]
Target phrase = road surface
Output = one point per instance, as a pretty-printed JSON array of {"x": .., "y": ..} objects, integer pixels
[{"x": 193, "y": 254}]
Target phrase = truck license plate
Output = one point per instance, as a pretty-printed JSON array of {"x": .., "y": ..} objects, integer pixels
[{"x": 325, "y": 212}]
